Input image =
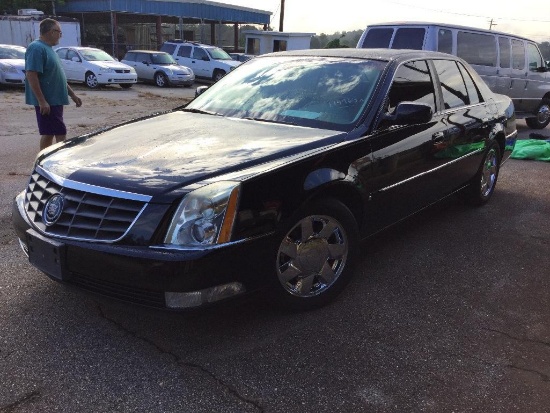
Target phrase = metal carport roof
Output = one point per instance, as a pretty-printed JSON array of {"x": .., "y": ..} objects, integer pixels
[{"x": 188, "y": 9}]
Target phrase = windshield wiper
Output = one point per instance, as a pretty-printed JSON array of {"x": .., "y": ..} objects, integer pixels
[
  {"x": 204, "y": 112},
  {"x": 271, "y": 121}
]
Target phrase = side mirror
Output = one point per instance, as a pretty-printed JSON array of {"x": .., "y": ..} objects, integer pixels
[
  {"x": 410, "y": 113},
  {"x": 200, "y": 90}
]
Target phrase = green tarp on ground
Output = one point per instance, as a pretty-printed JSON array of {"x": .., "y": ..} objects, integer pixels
[{"x": 536, "y": 149}]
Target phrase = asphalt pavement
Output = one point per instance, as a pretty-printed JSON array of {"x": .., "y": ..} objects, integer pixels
[{"x": 448, "y": 312}]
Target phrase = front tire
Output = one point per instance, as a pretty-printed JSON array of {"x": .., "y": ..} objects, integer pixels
[
  {"x": 543, "y": 116},
  {"x": 483, "y": 185},
  {"x": 218, "y": 74},
  {"x": 91, "y": 80},
  {"x": 316, "y": 256},
  {"x": 161, "y": 80}
]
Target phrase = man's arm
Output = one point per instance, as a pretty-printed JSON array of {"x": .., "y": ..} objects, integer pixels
[
  {"x": 73, "y": 96},
  {"x": 34, "y": 83}
]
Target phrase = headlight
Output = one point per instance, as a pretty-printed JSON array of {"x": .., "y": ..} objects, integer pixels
[
  {"x": 205, "y": 216},
  {"x": 107, "y": 70}
]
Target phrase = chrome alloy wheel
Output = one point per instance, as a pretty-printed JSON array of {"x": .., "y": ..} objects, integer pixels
[
  {"x": 489, "y": 172},
  {"x": 312, "y": 256}
]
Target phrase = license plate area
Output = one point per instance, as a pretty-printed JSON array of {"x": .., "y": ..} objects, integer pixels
[{"x": 45, "y": 254}]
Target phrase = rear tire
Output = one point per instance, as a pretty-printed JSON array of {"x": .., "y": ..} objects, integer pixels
[
  {"x": 218, "y": 74},
  {"x": 543, "y": 116},
  {"x": 483, "y": 185},
  {"x": 316, "y": 255}
]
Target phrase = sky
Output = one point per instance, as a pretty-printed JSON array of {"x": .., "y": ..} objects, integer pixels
[{"x": 528, "y": 18}]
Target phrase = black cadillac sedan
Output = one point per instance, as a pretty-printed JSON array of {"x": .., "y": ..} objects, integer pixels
[{"x": 268, "y": 180}]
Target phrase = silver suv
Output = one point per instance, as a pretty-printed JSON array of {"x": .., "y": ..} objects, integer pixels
[
  {"x": 206, "y": 61},
  {"x": 158, "y": 67}
]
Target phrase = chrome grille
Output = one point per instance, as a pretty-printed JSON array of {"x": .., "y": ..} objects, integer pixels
[{"x": 85, "y": 215}]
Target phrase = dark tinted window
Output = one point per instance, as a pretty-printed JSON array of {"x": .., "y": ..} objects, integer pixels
[
  {"x": 477, "y": 49},
  {"x": 412, "y": 83},
  {"x": 199, "y": 53},
  {"x": 444, "y": 41},
  {"x": 130, "y": 56},
  {"x": 377, "y": 38},
  {"x": 518, "y": 55},
  {"x": 452, "y": 82},
  {"x": 184, "y": 51},
  {"x": 505, "y": 51},
  {"x": 473, "y": 93},
  {"x": 409, "y": 38},
  {"x": 143, "y": 57},
  {"x": 168, "y": 48}
]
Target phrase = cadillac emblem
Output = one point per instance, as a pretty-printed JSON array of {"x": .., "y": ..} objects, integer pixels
[{"x": 52, "y": 209}]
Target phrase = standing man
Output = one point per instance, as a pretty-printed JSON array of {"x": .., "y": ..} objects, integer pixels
[{"x": 46, "y": 85}]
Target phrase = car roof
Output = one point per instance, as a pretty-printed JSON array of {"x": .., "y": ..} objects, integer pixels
[
  {"x": 146, "y": 51},
  {"x": 377, "y": 54},
  {"x": 12, "y": 46}
]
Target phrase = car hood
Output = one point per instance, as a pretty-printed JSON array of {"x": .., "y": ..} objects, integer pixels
[
  {"x": 173, "y": 150},
  {"x": 232, "y": 63},
  {"x": 110, "y": 65},
  {"x": 17, "y": 63}
]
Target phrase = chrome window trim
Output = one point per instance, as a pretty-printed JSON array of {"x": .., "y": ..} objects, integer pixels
[{"x": 99, "y": 190}]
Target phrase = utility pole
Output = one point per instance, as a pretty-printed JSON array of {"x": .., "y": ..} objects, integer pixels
[
  {"x": 491, "y": 24},
  {"x": 282, "y": 15}
]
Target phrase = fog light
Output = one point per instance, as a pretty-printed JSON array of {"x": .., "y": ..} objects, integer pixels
[{"x": 206, "y": 296}]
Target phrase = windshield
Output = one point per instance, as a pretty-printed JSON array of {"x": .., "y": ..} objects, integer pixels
[
  {"x": 329, "y": 93},
  {"x": 217, "y": 53},
  {"x": 12, "y": 53},
  {"x": 96, "y": 55},
  {"x": 162, "y": 59}
]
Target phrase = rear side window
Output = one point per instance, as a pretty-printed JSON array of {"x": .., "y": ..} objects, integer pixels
[
  {"x": 412, "y": 83},
  {"x": 445, "y": 41},
  {"x": 409, "y": 38},
  {"x": 518, "y": 55},
  {"x": 168, "y": 48},
  {"x": 505, "y": 52},
  {"x": 453, "y": 86},
  {"x": 184, "y": 51},
  {"x": 476, "y": 48},
  {"x": 377, "y": 38}
]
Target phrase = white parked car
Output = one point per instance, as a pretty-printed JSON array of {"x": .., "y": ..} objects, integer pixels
[
  {"x": 159, "y": 67},
  {"x": 12, "y": 65},
  {"x": 95, "y": 67}
]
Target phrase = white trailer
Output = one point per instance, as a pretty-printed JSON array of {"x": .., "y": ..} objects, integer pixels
[{"x": 21, "y": 30}]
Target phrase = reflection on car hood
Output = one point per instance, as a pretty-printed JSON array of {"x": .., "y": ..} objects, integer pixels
[
  {"x": 17, "y": 63},
  {"x": 169, "y": 151},
  {"x": 110, "y": 65},
  {"x": 177, "y": 69}
]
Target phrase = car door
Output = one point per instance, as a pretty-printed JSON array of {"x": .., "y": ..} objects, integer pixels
[
  {"x": 62, "y": 53},
  {"x": 74, "y": 66},
  {"x": 538, "y": 83},
  {"x": 400, "y": 178},
  {"x": 518, "y": 75},
  {"x": 143, "y": 66},
  {"x": 200, "y": 62}
]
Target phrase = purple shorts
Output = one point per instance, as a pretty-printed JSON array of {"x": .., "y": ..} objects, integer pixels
[{"x": 53, "y": 123}]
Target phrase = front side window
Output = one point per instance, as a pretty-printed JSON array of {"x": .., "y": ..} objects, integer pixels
[
  {"x": 453, "y": 85},
  {"x": 535, "y": 59},
  {"x": 378, "y": 38},
  {"x": 476, "y": 48},
  {"x": 412, "y": 83},
  {"x": 62, "y": 53},
  {"x": 199, "y": 53},
  {"x": 72, "y": 54},
  {"x": 409, "y": 38},
  {"x": 162, "y": 59}
]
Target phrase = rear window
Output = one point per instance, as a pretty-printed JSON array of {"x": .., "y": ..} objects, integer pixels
[
  {"x": 477, "y": 49},
  {"x": 377, "y": 38},
  {"x": 409, "y": 38}
]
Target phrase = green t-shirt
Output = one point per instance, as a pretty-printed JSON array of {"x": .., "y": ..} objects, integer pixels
[{"x": 40, "y": 57}]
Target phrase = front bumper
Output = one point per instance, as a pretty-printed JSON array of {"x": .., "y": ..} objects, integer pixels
[
  {"x": 185, "y": 80},
  {"x": 151, "y": 276},
  {"x": 116, "y": 78}
]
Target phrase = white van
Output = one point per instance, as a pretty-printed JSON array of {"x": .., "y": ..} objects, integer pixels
[{"x": 509, "y": 64}]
